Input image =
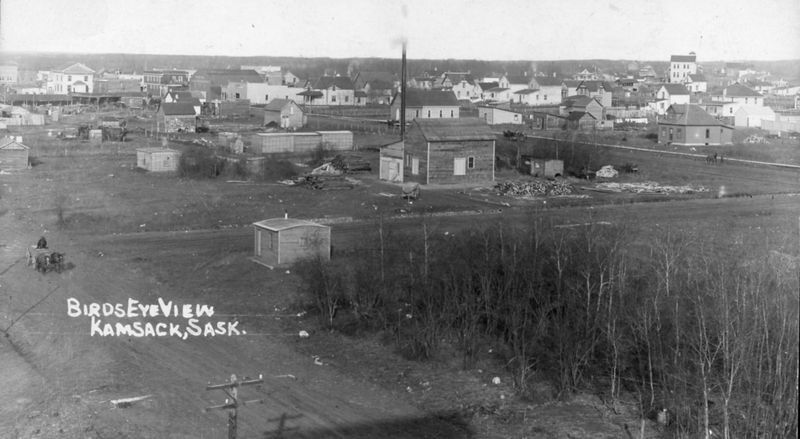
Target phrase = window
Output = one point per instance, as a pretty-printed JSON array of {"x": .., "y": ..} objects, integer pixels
[
  {"x": 333, "y": 98},
  {"x": 730, "y": 110},
  {"x": 708, "y": 133},
  {"x": 85, "y": 78},
  {"x": 440, "y": 114},
  {"x": 452, "y": 114},
  {"x": 266, "y": 98},
  {"x": 545, "y": 97},
  {"x": 236, "y": 95},
  {"x": 470, "y": 162},
  {"x": 69, "y": 77},
  {"x": 429, "y": 113},
  {"x": 347, "y": 99},
  {"x": 745, "y": 100},
  {"x": 416, "y": 113}
]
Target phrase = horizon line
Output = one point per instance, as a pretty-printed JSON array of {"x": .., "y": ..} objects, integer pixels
[{"x": 34, "y": 52}]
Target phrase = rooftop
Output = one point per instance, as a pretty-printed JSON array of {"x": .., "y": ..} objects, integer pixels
[
  {"x": 178, "y": 109},
  {"x": 278, "y": 224},
  {"x": 466, "y": 128},
  {"x": 421, "y": 98},
  {"x": 689, "y": 114},
  {"x": 277, "y": 104},
  {"x": 740, "y": 90},
  {"x": 683, "y": 58}
]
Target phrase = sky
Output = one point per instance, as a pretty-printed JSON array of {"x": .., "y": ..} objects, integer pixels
[{"x": 460, "y": 29}]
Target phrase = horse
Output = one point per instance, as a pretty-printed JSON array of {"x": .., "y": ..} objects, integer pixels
[
  {"x": 42, "y": 243},
  {"x": 712, "y": 158},
  {"x": 42, "y": 262}
]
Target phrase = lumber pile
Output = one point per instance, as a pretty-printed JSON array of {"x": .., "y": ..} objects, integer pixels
[
  {"x": 325, "y": 182},
  {"x": 533, "y": 188}
]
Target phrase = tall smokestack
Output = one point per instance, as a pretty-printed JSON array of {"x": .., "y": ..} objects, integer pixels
[{"x": 403, "y": 95}]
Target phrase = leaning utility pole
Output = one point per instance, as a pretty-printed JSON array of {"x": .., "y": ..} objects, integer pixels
[
  {"x": 232, "y": 403},
  {"x": 403, "y": 95}
]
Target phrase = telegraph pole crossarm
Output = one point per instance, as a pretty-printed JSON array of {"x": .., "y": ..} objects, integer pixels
[{"x": 232, "y": 403}]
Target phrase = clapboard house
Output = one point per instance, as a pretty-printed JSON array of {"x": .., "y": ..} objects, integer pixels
[
  {"x": 279, "y": 241},
  {"x": 284, "y": 113},
  {"x": 447, "y": 151},
  {"x": 13, "y": 154}
]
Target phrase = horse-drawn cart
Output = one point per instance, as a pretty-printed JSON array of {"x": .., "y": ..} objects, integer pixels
[{"x": 45, "y": 260}]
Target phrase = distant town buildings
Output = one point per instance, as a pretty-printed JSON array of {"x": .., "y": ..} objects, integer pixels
[{"x": 681, "y": 67}]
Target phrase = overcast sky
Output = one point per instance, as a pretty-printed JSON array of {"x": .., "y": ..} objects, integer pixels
[{"x": 488, "y": 29}]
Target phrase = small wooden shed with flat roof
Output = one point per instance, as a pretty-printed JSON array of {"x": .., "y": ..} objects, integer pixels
[{"x": 279, "y": 241}]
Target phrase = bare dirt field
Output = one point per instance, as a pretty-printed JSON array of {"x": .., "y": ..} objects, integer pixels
[{"x": 129, "y": 234}]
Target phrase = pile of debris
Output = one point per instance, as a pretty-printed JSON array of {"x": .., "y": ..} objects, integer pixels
[
  {"x": 350, "y": 164},
  {"x": 326, "y": 182},
  {"x": 649, "y": 187},
  {"x": 534, "y": 188}
]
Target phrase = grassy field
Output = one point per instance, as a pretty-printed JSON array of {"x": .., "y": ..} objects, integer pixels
[{"x": 130, "y": 233}]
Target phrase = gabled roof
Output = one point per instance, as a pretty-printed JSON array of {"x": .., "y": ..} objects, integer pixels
[
  {"x": 178, "y": 109},
  {"x": 572, "y": 83},
  {"x": 487, "y": 85},
  {"x": 422, "y": 98},
  {"x": 547, "y": 81},
  {"x": 376, "y": 80},
  {"x": 740, "y": 90},
  {"x": 689, "y": 114},
  {"x": 75, "y": 69},
  {"x": 277, "y": 104},
  {"x": 497, "y": 89},
  {"x": 579, "y": 101},
  {"x": 467, "y": 128},
  {"x": 518, "y": 79},
  {"x": 311, "y": 93},
  {"x": 578, "y": 115},
  {"x": 278, "y": 224},
  {"x": 9, "y": 143},
  {"x": 594, "y": 86},
  {"x": 683, "y": 58},
  {"x": 456, "y": 78},
  {"x": 341, "y": 82},
  {"x": 526, "y": 91},
  {"x": 697, "y": 77},
  {"x": 675, "y": 89}
]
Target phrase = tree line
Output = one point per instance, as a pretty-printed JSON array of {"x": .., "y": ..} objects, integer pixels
[{"x": 708, "y": 332}]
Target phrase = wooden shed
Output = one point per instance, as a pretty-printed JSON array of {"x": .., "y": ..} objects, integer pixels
[
  {"x": 284, "y": 240},
  {"x": 13, "y": 154},
  {"x": 337, "y": 140},
  {"x": 284, "y": 113},
  {"x": 391, "y": 161},
  {"x": 157, "y": 159},
  {"x": 446, "y": 151}
]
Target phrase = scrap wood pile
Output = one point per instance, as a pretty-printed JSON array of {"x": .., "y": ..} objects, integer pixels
[
  {"x": 534, "y": 188},
  {"x": 350, "y": 164},
  {"x": 326, "y": 182},
  {"x": 650, "y": 187}
]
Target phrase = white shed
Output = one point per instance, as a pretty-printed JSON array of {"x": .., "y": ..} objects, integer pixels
[
  {"x": 284, "y": 240},
  {"x": 157, "y": 159},
  {"x": 752, "y": 115}
]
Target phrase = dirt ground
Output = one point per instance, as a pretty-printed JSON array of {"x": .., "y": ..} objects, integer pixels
[{"x": 132, "y": 235}]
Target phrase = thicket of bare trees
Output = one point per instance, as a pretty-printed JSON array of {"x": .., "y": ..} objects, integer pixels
[{"x": 713, "y": 338}]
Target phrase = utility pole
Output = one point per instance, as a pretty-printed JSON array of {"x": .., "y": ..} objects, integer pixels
[{"x": 232, "y": 403}]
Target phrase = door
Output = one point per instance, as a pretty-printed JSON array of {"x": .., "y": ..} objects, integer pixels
[
  {"x": 460, "y": 166},
  {"x": 394, "y": 171},
  {"x": 415, "y": 166}
]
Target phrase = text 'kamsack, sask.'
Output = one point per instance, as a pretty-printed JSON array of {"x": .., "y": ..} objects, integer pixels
[{"x": 134, "y": 309}]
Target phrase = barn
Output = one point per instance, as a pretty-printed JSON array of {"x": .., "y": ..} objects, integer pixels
[
  {"x": 157, "y": 159},
  {"x": 447, "y": 151},
  {"x": 284, "y": 240},
  {"x": 13, "y": 154}
]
